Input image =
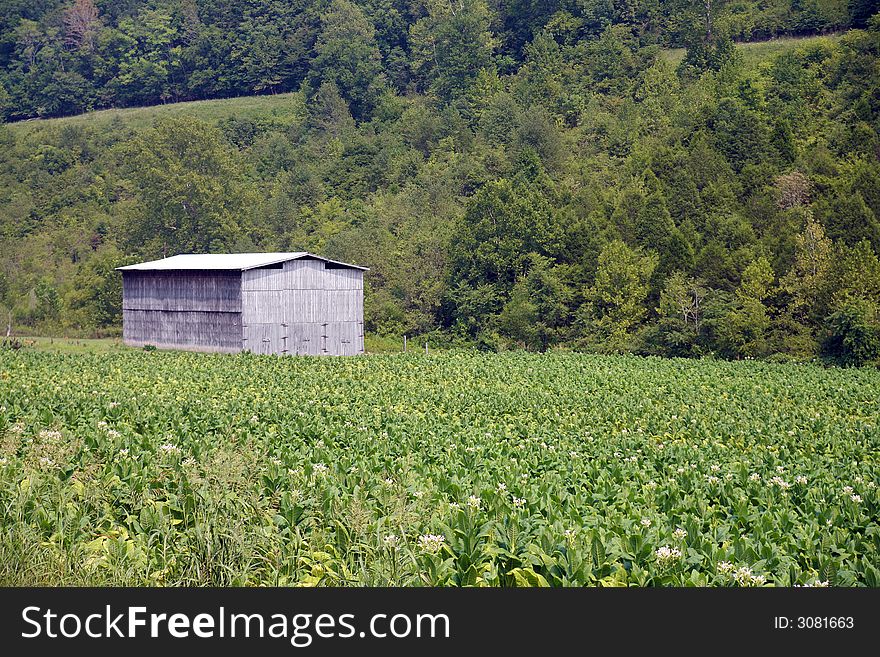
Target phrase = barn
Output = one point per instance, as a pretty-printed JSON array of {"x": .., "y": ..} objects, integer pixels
[{"x": 266, "y": 303}]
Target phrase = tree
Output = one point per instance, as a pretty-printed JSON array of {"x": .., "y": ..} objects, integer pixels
[
  {"x": 742, "y": 331},
  {"x": 615, "y": 303},
  {"x": 503, "y": 224},
  {"x": 681, "y": 314},
  {"x": 854, "y": 332},
  {"x": 192, "y": 194},
  {"x": 347, "y": 55},
  {"x": 792, "y": 190},
  {"x": 807, "y": 281},
  {"x": 97, "y": 291},
  {"x": 451, "y": 45},
  {"x": 537, "y": 309},
  {"x": 81, "y": 24},
  {"x": 643, "y": 218}
]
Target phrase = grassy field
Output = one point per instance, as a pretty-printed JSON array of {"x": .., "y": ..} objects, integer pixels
[
  {"x": 285, "y": 109},
  {"x": 451, "y": 469},
  {"x": 756, "y": 52},
  {"x": 73, "y": 345},
  {"x": 373, "y": 344}
]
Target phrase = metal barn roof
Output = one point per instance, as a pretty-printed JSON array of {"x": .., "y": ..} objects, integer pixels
[{"x": 225, "y": 261}]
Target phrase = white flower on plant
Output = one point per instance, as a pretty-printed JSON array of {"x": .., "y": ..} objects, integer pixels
[
  {"x": 113, "y": 433},
  {"x": 780, "y": 482},
  {"x": 743, "y": 576},
  {"x": 569, "y": 534},
  {"x": 254, "y": 418},
  {"x": 651, "y": 484},
  {"x": 680, "y": 470},
  {"x": 391, "y": 541},
  {"x": 800, "y": 479},
  {"x": 431, "y": 543},
  {"x": 856, "y": 498},
  {"x": 102, "y": 425},
  {"x": 419, "y": 494},
  {"x": 715, "y": 467},
  {"x": 276, "y": 461},
  {"x": 189, "y": 462},
  {"x": 646, "y": 522},
  {"x": 47, "y": 434},
  {"x": 780, "y": 469},
  {"x": 502, "y": 487},
  {"x": 847, "y": 490},
  {"x": 679, "y": 533},
  {"x": 46, "y": 461},
  {"x": 474, "y": 502},
  {"x": 3, "y": 461},
  {"x": 113, "y": 404},
  {"x": 666, "y": 555},
  {"x": 320, "y": 468},
  {"x": 123, "y": 451},
  {"x": 724, "y": 567},
  {"x": 388, "y": 481},
  {"x": 519, "y": 502},
  {"x": 169, "y": 448},
  {"x": 712, "y": 479},
  {"x": 455, "y": 506},
  {"x": 755, "y": 477}
]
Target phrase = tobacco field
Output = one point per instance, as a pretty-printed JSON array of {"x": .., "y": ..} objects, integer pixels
[{"x": 453, "y": 469}]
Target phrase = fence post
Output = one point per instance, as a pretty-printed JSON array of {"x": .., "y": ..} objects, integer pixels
[{"x": 404, "y": 344}]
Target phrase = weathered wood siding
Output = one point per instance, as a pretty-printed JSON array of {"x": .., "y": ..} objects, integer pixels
[
  {"x": 217, "y": 291},
  {"x": 182, "y": 310},
  {"x": 303, "y": 307}
]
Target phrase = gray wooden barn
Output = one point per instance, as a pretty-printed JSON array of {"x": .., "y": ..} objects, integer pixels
[{"x": 266, "y": 303}]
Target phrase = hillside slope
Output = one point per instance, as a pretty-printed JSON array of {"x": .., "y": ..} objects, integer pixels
[{"x": 596, "y": 196}]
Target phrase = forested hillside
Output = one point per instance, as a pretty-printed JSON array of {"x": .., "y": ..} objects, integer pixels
[
  {"x": 515, "y": 173},
  {"x": 61, "y": 57}
]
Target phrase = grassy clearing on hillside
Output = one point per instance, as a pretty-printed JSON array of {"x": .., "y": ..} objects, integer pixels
[
  {"x": 756, "y": 52},
  {"x": 454, "y": 469},
  {"x": 281, "y": 108}
]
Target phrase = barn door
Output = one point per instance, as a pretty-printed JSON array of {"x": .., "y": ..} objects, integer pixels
[
  {"x": 340, "y": 339},
  {"x": 258, "y": 339}
]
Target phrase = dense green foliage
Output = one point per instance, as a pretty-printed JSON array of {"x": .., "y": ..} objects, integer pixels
[
  {"x": 68, "y": 56},
  {"x": 515, "y": 174},
  {"x": 565, "y": 469}
]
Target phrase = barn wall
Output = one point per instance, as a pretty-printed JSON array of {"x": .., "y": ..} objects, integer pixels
[
  {"x": 216, "y": 291},
  {"x": 303, "y": 308},
  {"x": 183, "y": 310}
]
